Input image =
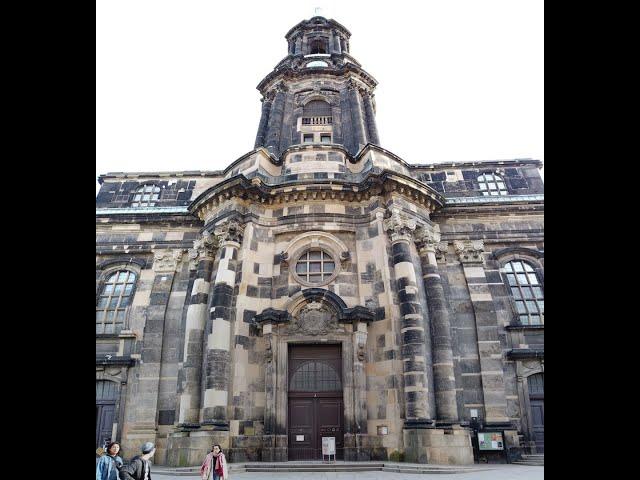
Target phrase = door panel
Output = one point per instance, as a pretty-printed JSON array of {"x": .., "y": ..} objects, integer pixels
[
  {"x": 301, "y": 426},
  {"x": 537, "y": 419},
  {"x": 104, "y": 427},
  {"x": 315, "y": 400},
  {"x": 330, "y": 415}
]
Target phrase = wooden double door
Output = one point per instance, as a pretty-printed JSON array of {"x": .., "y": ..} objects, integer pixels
[{"x": 316, "y": 406}]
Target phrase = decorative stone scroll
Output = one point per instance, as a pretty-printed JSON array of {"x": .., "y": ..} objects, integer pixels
[
  {"x": 166, "y": 261},
  {"x": 470, "y": 251}
]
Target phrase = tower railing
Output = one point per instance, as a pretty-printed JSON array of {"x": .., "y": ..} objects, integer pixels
[{"x": 317, "y": 120}]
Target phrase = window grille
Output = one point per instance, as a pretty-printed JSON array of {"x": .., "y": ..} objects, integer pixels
[{"x": 315, "y": 376}]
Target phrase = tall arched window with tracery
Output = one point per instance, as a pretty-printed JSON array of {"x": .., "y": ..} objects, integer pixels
[
  {"x": 113, "y": 301},
  {"x": 146, "y": 196},
  {"x": 526, "y": 291}
]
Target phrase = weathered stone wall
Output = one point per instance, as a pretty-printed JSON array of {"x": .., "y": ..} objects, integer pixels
[{"x": 480, "y": 310}]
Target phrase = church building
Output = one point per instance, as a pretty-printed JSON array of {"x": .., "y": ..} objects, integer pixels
[{"x": 321, "y": 286}]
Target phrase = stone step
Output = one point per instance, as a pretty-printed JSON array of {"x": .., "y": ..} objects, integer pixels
[{"x": 299, "y": 467}]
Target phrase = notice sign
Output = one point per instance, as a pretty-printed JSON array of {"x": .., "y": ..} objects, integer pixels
[
  {"x": 299, "y": 438},
  {"x": 328, "y": 445},
  {"x": 490, "y": 441}
]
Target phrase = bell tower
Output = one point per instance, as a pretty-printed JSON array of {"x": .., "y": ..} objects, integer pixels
[{"x": 318, "y": 93}]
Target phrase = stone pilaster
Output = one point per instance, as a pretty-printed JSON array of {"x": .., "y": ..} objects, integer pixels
[
  {"x": 372, "y": 129},
  {"x": 471, "y": 255},
  {"x": 267, "y": 101},
  {"x": 217, "y": 365},
  {"x": 276, "y": 115},
  {"x": 355, "y": 105},
  {"x": 201, "y": 257},
  {"x": 428, "y": 240},
  {"x": 412, "y": 331},
  {"x": 144, "y": 429}
]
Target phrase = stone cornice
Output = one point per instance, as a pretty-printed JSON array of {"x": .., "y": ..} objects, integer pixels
[
  {"x": 516, "y": 162},
  {"x": 524, "y": 353},
  {"x": 373, "y": 183},
  {"x": 124, "y": 361},
  {"x": 328, "y": 22},
  {"x": 286, "y": 73}
]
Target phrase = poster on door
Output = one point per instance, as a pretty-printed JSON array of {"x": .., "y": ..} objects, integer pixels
[{"x": 328, "y": 445}]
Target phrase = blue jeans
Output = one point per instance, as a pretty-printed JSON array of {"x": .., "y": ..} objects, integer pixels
[{"x": 215, "y": 476}]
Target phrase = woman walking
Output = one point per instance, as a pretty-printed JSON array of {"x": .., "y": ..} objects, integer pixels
[
  {"x": 109, "y": 463},
  {"x": 214, "y": 466}
]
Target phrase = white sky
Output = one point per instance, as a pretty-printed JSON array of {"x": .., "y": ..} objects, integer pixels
[{"x": 176, "y": 80}]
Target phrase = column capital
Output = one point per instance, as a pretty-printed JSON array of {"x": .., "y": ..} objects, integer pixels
[
  {"x": 203, "y": 247},
  {"x": 166, "y": 261},
  {"x": 399, "y": 226},
  {"x": 230, "y": 231},
  {"x": 427, "y": 238},
  {"x": 470, "y": 251}
]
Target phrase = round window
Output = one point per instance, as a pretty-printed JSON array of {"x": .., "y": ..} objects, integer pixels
[{"x": 315, "y": 267}]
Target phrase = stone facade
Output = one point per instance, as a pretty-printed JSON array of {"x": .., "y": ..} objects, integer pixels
[{"x": 415, "y": 290}]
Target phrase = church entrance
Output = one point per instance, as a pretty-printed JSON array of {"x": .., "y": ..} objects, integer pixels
[{"x": 316, "y": 406}]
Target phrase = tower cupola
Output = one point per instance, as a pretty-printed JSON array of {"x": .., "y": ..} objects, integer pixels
[{"x": 318, "y": 93}]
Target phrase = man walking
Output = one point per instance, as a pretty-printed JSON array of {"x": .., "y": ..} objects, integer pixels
[{"x": 139, "y": 468}]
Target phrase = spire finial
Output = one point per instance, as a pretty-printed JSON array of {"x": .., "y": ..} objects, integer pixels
[{"x": 318, "y": 12}]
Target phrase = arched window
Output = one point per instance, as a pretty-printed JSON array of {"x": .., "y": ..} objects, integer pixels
[
  {"x": 146, "y": 196},
  {"x": 316, "y": 108},
  {"x": 317, "y": 45},
  {"x": 526, "y": 291},
  {"x": 492, "y": 184},
  {"x": 315, "y": 376},
  {"x": 113, "y": 301}
]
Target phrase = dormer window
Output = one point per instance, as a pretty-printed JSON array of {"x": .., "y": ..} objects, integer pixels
[
  {"x": 146, "y": 196},
  {"x": 492, "y": 184}
]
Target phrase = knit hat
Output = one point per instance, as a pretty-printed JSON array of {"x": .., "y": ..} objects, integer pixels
[{"x": 147, "y": 447}]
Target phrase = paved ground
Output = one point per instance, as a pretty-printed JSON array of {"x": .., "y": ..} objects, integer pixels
[{"x": 498, "y": 472}]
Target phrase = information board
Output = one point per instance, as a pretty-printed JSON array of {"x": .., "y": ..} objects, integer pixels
[
  {"x": 328, "y": 445},
  {"x": 490, "y": 441}
]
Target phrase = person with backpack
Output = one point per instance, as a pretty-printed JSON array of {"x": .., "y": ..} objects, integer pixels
[
  {"x": 140, "y": 467},
  {"x": 109, "y": 463},
  {"x": 214, "y": 466}
]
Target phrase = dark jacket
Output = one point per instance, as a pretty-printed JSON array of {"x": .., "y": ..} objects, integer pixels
[{"x": 135, "y": 470}]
